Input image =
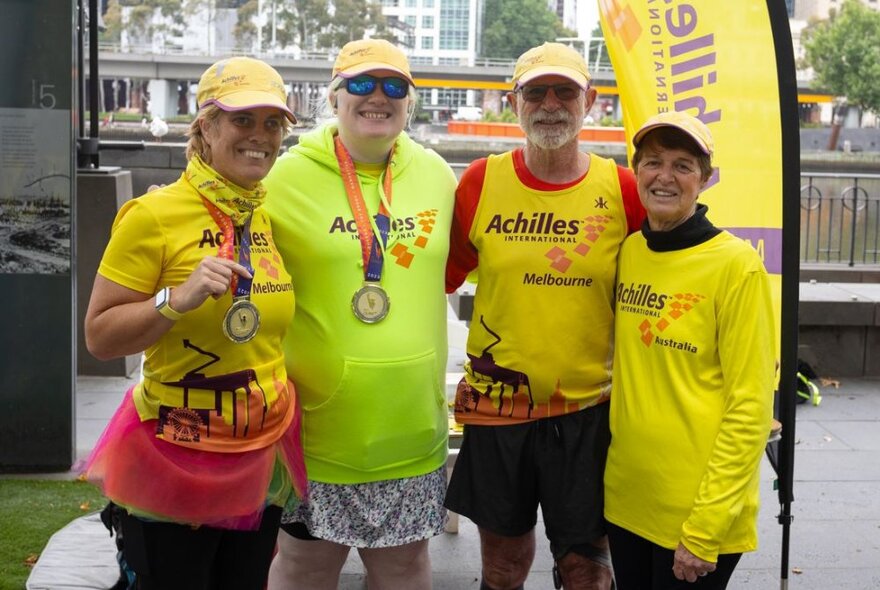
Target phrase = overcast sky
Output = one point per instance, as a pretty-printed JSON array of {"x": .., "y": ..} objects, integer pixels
[{"x": 588, "y": 16}]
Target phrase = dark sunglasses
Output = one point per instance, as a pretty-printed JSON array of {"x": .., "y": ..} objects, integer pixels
[
  {"x": 563, "y": 92},
  {"x": 365, "y": 85}
]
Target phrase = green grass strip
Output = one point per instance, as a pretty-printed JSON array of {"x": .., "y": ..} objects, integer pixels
[{"x": 30, "y": 512}]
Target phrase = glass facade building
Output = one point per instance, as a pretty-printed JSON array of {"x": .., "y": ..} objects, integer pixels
[{"x": 455, "y": 24}]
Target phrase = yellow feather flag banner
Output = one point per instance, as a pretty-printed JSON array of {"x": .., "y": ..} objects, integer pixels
[{"x": 716, "y": 62}]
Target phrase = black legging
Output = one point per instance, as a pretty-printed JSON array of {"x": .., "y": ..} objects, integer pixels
[
  {"x": 167, "y": 556},
  {"x": 641, "y": 565}
]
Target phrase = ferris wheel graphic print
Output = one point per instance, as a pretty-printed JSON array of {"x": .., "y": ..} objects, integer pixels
[{"x": 188, "y": 424}]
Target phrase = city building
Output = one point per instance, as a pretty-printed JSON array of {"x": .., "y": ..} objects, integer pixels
[
  {"x": 567, "y": 11},
  {"x": 439, "y": 33}
]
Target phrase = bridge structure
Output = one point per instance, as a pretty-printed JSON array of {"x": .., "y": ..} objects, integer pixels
[{"x": 309, "y": 73}]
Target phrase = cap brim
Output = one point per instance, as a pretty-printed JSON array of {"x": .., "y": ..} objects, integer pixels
[
  {"x": 573, "y": 75},
  {"x": 640, "y": 134},
  {"x": 371, "y": 66},
  {"x": 251, "y": 99}
]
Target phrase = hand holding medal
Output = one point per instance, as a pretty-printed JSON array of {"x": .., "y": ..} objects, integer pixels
[
  {"x": 211, "y": 278},
  {"x": 242, "y": 319}
]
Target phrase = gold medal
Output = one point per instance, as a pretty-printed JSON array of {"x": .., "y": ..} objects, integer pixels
[
  {"x": 242, "y": 321},
  {"x": 370, "y": 303}
]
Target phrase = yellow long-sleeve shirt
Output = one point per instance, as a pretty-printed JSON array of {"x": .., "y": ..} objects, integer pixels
[{"x": 692, "y": 394}]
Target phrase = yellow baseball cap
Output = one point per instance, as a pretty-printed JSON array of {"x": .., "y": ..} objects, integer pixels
[
  {"x": 359, "y": 57},
  {"x": 551, "y": 59},
  {"x": 239, "y": 83},
  {"x": 696, "y": 129}
]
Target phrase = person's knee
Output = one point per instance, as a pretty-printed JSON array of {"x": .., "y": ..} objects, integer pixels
[
  {"x": 506, "y": 560},
  {"x": 586, "y": 566},
  {"x": 504, "y": 575},
  {"x": 310, "y": 564},
  {"x": 403, "y": 567},
  {"x": 485, "y": 586},
  {"x": 399, "y": 561},
  {"x": 501, "y": 579},
  {"x": 281, "y": 571}
]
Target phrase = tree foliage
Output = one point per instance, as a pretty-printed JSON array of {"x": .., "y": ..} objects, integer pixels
[
  {"x": 491, "y": 12},
  {"x": 136, "y": 17},
  {"x": 844, "y": 52},
  {"x": 312, "y": 24},
  {"x": 297, "y": 22},
  {"x": 350, "y": 21},
  {"x": 510, "y": 27},
  {"x": 245, "y": 29},
  {"x": 307, "y": 18},
  {"x": 112, "y": 23},
  {"x": 205, "y": 11}
]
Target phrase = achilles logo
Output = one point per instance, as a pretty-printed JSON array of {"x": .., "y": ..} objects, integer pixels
[
  {"x": 641, "y": 295},
  {"x": 340, "y": 224},
  {"x": 651, "y": 331},
  {"x": 538, "y": 223}
]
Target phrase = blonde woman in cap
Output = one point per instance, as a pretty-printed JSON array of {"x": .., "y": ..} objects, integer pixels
[
  {"x": 204, "y": 451},
  {"x": 361, "y": 214},
  {"x": 542, "y": 226},
  {"x": 693, "y": 377}
]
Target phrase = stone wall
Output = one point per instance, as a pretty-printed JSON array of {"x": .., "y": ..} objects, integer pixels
[{"x": 839, "y": 328}]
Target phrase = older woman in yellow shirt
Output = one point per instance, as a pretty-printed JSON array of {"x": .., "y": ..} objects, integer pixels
[{"x": 693, "y": 377}]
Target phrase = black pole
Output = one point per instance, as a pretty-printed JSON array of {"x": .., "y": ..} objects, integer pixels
[
  {"x": 855, "y": 224},
  {"x": 788, "y": 109},
  {"x": 82, "y": 160},
  {"x": 94, "y": 103},
  {"x": 87, "y": 146}
]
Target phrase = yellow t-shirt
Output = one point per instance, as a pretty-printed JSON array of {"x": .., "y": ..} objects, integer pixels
[{"x": 206, "y": 391}]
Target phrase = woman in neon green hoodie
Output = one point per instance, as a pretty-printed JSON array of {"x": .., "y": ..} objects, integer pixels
[{"x": 361, "y": 215}]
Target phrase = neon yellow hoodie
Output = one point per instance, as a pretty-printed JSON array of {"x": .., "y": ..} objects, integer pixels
[{"x": 373, "y": 395}]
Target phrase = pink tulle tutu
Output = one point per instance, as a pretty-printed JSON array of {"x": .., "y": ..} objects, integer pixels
[{"x": 157, "y": 479}]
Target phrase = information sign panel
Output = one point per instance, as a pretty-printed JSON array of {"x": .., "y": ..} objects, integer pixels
[{"x": 36, "y": 230}]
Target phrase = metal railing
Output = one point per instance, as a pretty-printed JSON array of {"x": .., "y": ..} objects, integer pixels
[
  {"x": 840, "y": 218},
  {"x": 173, "y": 49}
]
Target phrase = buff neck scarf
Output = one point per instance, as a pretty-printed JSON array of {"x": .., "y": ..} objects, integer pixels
[{"x": 230, "y": 198}]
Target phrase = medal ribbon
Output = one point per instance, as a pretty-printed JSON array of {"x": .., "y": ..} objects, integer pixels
[
  {"x": 240, "y": 286},
  {"x": 371, "y": 248}
]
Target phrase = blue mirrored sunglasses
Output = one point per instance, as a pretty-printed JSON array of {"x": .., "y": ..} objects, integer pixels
[{"x": 392, "y": 87}]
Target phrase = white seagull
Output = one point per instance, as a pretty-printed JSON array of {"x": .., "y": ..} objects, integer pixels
[{"x": 158, "y": 128}]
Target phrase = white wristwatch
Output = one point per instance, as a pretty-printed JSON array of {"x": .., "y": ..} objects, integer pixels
[{"x": 163, "y": 305}]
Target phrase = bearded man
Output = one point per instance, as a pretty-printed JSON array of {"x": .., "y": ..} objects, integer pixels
[{"x": 542, "y": 226}]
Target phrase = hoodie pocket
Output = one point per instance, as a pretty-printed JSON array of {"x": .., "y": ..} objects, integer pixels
[{"x": 383, "y": 414}]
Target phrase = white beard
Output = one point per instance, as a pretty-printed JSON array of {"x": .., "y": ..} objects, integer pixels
[{"x": 550, "y": 139}]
